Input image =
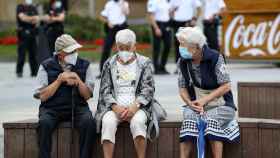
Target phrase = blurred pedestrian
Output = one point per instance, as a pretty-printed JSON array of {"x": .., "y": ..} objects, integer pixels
[
  {"x": 27, "y": 19},
  {"x": 211, "y": 20},
  {"x": 184, "y": 13},
  {"x": 55, "y": 23},
  {"x": 159, "y": 17},
  {"x": 114, "y": 15}
]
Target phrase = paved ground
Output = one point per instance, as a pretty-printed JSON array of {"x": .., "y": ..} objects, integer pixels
[{"x": 17, "y": 102}]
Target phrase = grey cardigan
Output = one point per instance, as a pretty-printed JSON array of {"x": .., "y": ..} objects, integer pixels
[{"x": 145, "y": 87}]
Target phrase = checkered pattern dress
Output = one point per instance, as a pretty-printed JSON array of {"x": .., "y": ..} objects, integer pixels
[{"x": 221, "y": 125}]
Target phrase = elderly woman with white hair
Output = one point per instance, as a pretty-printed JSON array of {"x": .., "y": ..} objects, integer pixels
[
  {"x": 205, "y": 88},
  {"x": 126, "y": 94}
]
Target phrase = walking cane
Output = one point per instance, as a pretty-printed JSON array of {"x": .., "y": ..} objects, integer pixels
[
  {"x": 74, "y": 90},
  {"x": 73, "y": 120}
]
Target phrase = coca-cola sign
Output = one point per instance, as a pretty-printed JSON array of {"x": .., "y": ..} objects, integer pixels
[{"x": 252, "y": 36}]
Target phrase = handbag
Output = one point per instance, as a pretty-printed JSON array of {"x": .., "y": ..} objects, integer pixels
[
  {"x": 158, "y": 114},
  {"x": 200, "y": 93}
]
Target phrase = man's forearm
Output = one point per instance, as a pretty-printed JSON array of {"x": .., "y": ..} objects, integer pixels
[
  {"x": 49, "y": 91},
  {"x": 26, "y": 18},
  {"x": 103, "y": 19},
  {"x": 153, "y": 21},
  {"x": 84, "y": 91},
  {"x": 59, "y": 18}
]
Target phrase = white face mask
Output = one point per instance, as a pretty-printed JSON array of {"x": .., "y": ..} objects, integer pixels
[
  {"x": 71, "y": 59},
  {"x": 28, "y": 2},
  {"x": 58, "y": 4},
  {"x": 125, "y": 56}
]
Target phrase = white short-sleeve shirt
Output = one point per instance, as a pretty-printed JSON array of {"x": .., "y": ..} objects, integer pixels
[
  {"x": 213, "y": 7},
  {"x": 113, "y": 11},
  {"x": 160, "y": 9},
  {"x": 185, "y": 9}
]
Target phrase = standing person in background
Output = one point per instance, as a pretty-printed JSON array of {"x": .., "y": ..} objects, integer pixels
[
  {"x": 211, "y": 19},
  {"x": 159, "y": 17},
  {"x": 114, "y": 15},
  {"x": 55, "y": 20},
  {"x": 27, "y": 19},
  {"x": 184, "y": 14}
]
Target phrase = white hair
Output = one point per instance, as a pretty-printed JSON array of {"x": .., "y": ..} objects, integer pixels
[
  {"x": 192, "y": 35},
  {"x": 126, "y": 37}
]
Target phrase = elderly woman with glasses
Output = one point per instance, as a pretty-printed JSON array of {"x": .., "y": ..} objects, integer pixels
[{"x": 204, "y": 86}]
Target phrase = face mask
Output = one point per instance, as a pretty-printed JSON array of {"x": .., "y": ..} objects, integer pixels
[
  {"x": 125, "y": 56},
  {"x": 185, "y": 53},
  {"x": 58, "y": 4},
  {"x": 28, "y": 2},
  {"x": 71, "y": 58}
]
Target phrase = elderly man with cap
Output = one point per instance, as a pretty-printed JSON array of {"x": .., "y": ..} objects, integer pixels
[
  {"x": 57, "y": 77},
  {"x": 126, "y": 94}
]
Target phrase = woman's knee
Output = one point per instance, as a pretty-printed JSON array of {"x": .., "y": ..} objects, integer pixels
[{"x": 109, "y": 120}]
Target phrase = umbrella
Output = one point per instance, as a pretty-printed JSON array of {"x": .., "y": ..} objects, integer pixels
[{"x": 201, "y": 125}]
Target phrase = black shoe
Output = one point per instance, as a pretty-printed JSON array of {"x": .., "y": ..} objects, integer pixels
[
  {"x": 157, "y": 72},
  {"x": 19, "y": 75},
  {"x": 33, "y": 75},
  {"x": 164, "y": 72}
]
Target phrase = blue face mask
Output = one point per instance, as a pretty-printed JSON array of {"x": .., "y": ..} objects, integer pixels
[{"x": 185, "y": 53}]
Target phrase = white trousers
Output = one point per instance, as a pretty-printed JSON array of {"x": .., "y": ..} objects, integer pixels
[{"x": 110, "y": 123}]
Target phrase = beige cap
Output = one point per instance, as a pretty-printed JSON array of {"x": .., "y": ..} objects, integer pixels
[{"x": 66, "y": 43}]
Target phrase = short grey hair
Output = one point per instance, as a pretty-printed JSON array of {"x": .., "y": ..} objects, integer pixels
[
  {"x": 126, "y": 37},
  {"x": 191, "y": 35}
]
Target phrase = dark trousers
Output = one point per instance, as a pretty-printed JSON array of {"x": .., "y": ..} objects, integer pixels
[
  {"x": 160, "y": 59},
  {"x": 48, "y": 121},
  {"x": 26, "y": 43},
  {"x": 109, "y": 42},
  {"x": 176, "y": 25},
  {"x": 52, "y": 34},
  {"x": 211, "y": 33}
]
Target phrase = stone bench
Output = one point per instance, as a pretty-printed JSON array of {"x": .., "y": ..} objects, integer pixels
[{"x": 259, "y": 138}]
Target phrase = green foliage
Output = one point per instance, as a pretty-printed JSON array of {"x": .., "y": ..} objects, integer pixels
[
  {"x": 11, "y": 31},
  {"x": 143, "y": 33},
  {"x": 84, "y": 28}
]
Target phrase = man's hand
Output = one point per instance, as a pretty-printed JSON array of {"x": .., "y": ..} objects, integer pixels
[
  {"x": 158, "y": 32},
  {"x": 69, "y": 77},
  {"x": 72, "y": 82},
  {"x": 64, "y": 76},
  {"x": 35, "y": 19},
  {"x": 111, "y": 26}
]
